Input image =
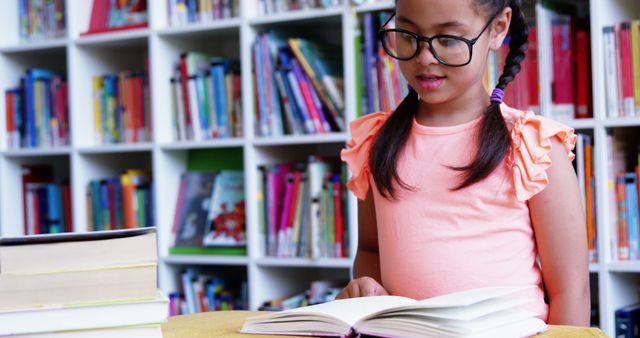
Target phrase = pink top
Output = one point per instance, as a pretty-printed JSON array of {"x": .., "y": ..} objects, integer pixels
[{"x": 434, "y": 241}]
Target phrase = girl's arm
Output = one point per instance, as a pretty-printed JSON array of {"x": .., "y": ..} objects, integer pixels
[
  {"x": 367, "y": 261},
  {"x": 366, "y": 267},
  {"x": 560, "y": 231}
]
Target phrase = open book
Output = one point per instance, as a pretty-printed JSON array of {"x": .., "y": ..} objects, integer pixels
[{"x": 484, "y": 312}]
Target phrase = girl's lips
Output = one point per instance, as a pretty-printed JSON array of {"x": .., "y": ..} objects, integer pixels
[{"x": 430, "y": 82}]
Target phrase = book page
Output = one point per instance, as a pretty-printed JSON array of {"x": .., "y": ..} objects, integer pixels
[
  {"x": 348, "y": 310},
  {"x": 466, "y": 298}
]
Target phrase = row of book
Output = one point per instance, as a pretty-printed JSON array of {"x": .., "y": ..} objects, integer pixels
[
  {"x": 381, "y": 85},
  {"x": 206, "y": 94},
  {"x": 586, "y": 179},
  {"x": 121, "y": 202},
  {"x": 623, "y": 199},
  {"x": 320, "y": 291},
  {"x": 46, "y": 204},
  {"x": 37, "y": 111},
  {"x": 622, "y": 69},
  {"x": 210, "y": 213},
  {"x": 204, "y": 293},
  {"x": 183, "y": 12},
  {"x": 298, "y": 86},
  {"x": 302, "y": 210},
  {"x": 266, "y": 7},
  {"x": 46, "y": 292},
  {"x": 121, "y": 111},
  {"x": 41, "y": 19}
]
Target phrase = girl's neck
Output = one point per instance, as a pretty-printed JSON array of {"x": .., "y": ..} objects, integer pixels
[{"x": 462, "y": 109}]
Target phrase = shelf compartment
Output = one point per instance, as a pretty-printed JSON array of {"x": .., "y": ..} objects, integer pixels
[
  {"x": 202, "y": 28},
  {"x": 297, "y": 15},
  {"x": 35, "y": 46}
]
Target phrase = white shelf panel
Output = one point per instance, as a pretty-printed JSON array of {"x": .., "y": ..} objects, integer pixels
[
  {"x": 579, "y": 124},
  {"x": 206, "y": 260},
  {"x": 201, "y": 28},
  {"x": 37, "y": 152},
  {"x": 299, "y": 15},
  {"x": 117, "y": 148},
  {"x": 301, "y": 139},
  {"x": 114, "y": 38},
  {"x": 218, "y": 143},
  {"x": 305, "y": 262},
  {"x": 594, "y": 267},
  {"x": 378, "y": 6},
  {"x": 35, "y": 46},
  {"x": 622, "y": 122},
  {"x": 630, "y": 266}
]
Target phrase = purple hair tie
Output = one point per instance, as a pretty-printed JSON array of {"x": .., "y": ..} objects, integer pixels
[{"x": 497, "y": 96}]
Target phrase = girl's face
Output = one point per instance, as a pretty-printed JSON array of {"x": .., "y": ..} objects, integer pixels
[{"x": 437, "y": 83}]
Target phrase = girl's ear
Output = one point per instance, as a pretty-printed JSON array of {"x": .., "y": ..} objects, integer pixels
[{"x": 500, "y": 28}]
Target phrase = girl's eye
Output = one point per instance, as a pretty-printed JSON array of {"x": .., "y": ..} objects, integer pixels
[
  {"x": 406, "y": 36},
  {"x": 448, "y": 42}
]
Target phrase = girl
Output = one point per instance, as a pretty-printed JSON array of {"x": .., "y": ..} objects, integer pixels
[{"x": 457, "y": 190}]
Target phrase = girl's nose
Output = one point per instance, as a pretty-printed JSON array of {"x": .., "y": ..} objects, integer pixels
[{"x": 425, "y": 56}]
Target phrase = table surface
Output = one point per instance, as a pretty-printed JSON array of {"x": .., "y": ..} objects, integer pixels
[{"x": 226, "y": 324}]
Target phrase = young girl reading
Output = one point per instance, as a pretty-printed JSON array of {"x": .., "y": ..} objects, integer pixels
[{"x": 456, "y": 189}]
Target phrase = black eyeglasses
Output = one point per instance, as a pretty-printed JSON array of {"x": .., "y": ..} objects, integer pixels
[{"x": 449, "y": 50}]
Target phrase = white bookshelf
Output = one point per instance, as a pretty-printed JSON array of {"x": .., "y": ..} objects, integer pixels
[{"x": 614, "y": 283}]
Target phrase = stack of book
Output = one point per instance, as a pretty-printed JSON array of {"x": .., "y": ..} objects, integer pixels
[
  {"x": 100, "y": 284},
  {"x": 37, "y": 111}
]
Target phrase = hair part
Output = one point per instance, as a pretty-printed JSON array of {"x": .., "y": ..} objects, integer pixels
[{"x": 494, "y": 138}]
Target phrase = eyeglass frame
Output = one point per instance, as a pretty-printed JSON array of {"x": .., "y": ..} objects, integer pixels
[{"x": 423, "y": 38}]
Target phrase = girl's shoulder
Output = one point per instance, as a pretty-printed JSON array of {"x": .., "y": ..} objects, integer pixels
[
  {"x": 356, "y": 155},
  {"x": 528, "y": 158}
]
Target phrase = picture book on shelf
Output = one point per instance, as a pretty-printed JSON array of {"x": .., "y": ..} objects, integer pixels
[
  {"x": 482, "y": 312},
  {"x": 226, "y": 219},
  {"x": 192, "y": 208}
]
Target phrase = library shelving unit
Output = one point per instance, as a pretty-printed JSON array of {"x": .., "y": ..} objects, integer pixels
[{"x": 614, "y": 284}]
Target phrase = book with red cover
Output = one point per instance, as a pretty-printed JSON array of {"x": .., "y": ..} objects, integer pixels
[
  {"x": 99, "y": 22},
  {"x": 626, "y": 70},
  {"x": 583, "y": 74},
  {"x": 563, "y": 91},
  {"x": 33, "y": 174}
]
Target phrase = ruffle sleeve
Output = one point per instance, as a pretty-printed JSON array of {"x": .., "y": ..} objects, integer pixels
[
  {"x": 529, "y": 157},
  {"x": 356, "y": 155}
]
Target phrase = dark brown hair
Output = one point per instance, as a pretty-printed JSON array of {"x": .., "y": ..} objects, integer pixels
[{"x": 494, "y": 138}]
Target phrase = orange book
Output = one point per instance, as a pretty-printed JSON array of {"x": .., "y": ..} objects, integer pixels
[
  {"x": 128, "y": 199},
  {"x": 588, "y": 174}
]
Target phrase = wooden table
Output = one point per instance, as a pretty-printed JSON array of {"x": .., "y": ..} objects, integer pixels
[{"x": 225, "y": 324}]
